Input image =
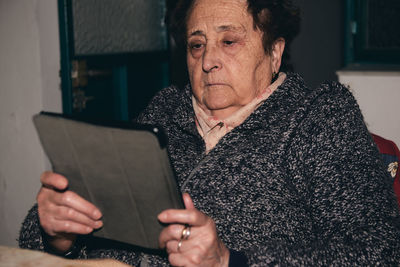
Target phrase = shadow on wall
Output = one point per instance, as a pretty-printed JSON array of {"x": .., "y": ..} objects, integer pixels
[{"x": 317, "y": 52}]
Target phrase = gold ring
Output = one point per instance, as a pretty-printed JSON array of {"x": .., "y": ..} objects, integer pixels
[
  {"x": 185, "y": 233},
  {"x": 179, "y": 245}
]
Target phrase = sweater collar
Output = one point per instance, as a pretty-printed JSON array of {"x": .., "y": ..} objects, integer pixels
[{"x": 184, "y": 116}]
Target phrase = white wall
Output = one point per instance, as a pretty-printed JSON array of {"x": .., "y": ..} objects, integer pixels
[
  {"x": 378, "y": 94},
  {"x": 29, "y": 83}
]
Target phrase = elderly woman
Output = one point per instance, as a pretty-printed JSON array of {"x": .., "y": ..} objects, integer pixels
[{"x": 273, "y": 173}]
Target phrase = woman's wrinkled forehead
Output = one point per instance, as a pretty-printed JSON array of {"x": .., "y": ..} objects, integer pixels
[
  {"x": 196, "y": 3},
  {"x": 221, "y": 14}
]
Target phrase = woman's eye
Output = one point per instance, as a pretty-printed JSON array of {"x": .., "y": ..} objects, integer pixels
[
  {"x": 196, "y": 49},
  {"x": 196, "y": 46},
  {"x": 229, "y": 42}
]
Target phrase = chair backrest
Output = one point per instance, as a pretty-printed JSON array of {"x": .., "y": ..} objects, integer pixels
[{"x": 391, "y": 157}]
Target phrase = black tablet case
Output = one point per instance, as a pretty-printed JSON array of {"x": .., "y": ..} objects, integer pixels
[{"x": 123, "y": 168}]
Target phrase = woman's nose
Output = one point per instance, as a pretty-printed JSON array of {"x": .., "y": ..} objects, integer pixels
[{"x": 211, "y": 60}]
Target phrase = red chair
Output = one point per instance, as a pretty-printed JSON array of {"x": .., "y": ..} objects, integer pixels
[{"x": 391, "y": 157}]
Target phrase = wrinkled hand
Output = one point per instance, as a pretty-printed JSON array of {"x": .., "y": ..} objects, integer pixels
[
  {"x": 63, "y": 213},
  {"x": 202, "y": 248}
]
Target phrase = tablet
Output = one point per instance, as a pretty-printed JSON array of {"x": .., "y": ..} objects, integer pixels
[{"x": 123, "y": 168}]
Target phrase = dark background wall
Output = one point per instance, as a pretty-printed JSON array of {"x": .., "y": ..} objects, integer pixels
[{"x": 317, "y": 52}]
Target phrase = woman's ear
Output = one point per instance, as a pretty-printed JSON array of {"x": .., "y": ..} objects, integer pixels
[{"x": 276, "y": 54}]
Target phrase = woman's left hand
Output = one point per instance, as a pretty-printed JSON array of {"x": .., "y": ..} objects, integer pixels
[{"x": 201, "y": 247}]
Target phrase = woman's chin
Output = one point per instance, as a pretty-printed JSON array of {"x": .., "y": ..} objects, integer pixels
[
  {"x": 214, "y": 104},
  {"x": 221, "y": 110}
]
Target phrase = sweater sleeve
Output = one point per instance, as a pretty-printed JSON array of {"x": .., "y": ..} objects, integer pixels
[
  {"x": 335, "y": 168},
  {"x": 30, "y": 236}
]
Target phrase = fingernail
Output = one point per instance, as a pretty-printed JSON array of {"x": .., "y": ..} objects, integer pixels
[
  {"x": 99, "y": 224},
  {"x": 97, "y": 214},
  {"x": 89, "y": 229},
  {"x": 161, "y": 216}
]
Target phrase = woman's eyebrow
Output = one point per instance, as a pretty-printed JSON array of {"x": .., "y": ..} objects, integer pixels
[
  {"x": 228, "y": 28},
  {"x": 196, "y": 33},
  {"x": 222, "y": 28}
]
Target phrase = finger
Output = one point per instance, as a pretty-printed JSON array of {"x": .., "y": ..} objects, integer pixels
[
  {"x": 187, "y": 200},
  {"x": 72, "y": 200},
  {"x": 189, "y": 254},
  {"x": 179, "y": 259},
  {"x": 69, "y": 214},
  {"x": 176, "y": 259},
  {"x": 172, "y": 246},
  {"x": 189, "y": 246},
  {"x": 184, "y": 248},
  {"x": 190, "y": 217},
  {"x": 172, "y": 232},
  {"x": 53, "y": 180},
  {"x": 64, "y": 226}
]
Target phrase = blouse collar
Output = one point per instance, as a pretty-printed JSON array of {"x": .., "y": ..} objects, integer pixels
[{"x": 212, "y": 129}]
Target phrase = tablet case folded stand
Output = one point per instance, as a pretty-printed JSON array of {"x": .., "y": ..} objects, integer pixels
[{"x": 122, "y": 168}]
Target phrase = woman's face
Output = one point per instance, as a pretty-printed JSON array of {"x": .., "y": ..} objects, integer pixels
[{"x": 226, "y": 60}]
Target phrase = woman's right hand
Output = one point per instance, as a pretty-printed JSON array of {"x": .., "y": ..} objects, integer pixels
[{"x": 63, "y": 214}]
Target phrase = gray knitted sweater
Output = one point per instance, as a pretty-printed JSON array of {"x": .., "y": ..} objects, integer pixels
[{"x": 299, "y": 183}]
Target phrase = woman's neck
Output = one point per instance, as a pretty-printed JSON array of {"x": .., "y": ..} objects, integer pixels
[{"x": 221, "y": 114}]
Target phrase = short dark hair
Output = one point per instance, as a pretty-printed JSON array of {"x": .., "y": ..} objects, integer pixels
[{"x": 275, "y": 18}]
